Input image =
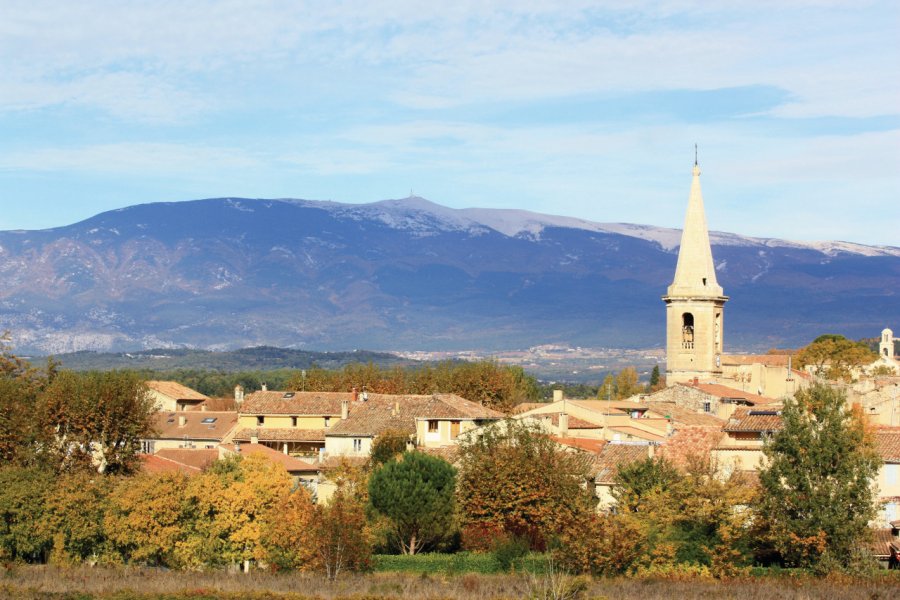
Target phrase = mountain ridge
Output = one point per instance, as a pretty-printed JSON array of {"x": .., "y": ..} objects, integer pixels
[{"x": 224, "y": 273}]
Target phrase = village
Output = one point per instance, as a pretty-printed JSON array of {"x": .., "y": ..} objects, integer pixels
[{"x": 720, "y": 406}]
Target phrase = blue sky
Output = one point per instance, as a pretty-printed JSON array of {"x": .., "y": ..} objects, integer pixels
[{"x": 587, "y": 109}]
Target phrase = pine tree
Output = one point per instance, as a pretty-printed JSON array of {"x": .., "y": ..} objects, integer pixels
[
  {"x": 817, "y": 495},
  {"x": 416, "y": 493}
]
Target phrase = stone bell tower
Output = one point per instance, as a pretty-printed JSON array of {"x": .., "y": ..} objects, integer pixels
[{"x": 695, "y": 301}]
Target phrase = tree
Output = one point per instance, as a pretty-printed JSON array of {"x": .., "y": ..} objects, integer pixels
[
  {"x": 97, "y": 419},
  {"x": 20, "y": 384},
  {"x": 73, "y": 517},
  {"x": 817, "y": 496},
  {"x": 654, "y": 379},
  {"x": 340, "y": 537},
  {"x": 516, "y": 479},
  {"x": 23, "y": 494},
  {"x": 607, "y": 389},
  {"x": 388, "y": 446},
  {"x": 635, "y": 482},
  {"x": 148, "y": 517},
  {"x": 600, "y": 545},
  {"x": 627, "y": 383},
  {"x": 287, "y": 534},
  {"x": 416, "y": 493},
  {"x": 833, "y": 356},
  {"x": 234, "y": 497}
]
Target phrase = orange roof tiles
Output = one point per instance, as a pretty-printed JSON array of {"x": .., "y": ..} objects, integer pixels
[
  {"x": 196, "y": 458},
  {"x": 280, "y": 434},
  {"x": 150, "y": 463},
  {"x": 887, "y": 442},
  {"x": 198, "y": 425},
  {"x": 771, "y": 360},
  {"x": 683, "y": 416},
  {"x": 291, "y": 463},
  {"x": 689, "y": 442},
  {"x": 294, "y": 403},
  {"x": 752, "y": 421},
  {"x": 639, "y": 433},
  {"x": 728, "y": 393},
  {"x": 175, "y": 390},
  {"x": 581, "y": 443},
  {"x": 612, "y": 457}
]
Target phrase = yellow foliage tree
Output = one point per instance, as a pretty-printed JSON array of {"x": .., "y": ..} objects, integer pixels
[{"x": 287, "y": 534}]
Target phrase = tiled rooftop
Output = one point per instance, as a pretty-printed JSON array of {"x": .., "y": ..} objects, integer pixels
[
  {"x": 749, "y": 420},
  {"x": 175, "y": 390},
  {"x": 280, "y": 434},
  {"x": 199, "y": 425},
  {"x": 614, "y": 456}
]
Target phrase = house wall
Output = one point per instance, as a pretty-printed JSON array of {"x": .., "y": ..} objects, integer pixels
[
  {"x": 442, "y": 437},
  {"x": 343, "y": 446},
  {"x": 605, "y": 500},
  {"x": 163, "y": 402},
  {"x": 286, "y": 422},
  {"x": 887, "y": 484}
]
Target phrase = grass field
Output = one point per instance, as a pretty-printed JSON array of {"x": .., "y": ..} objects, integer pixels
[{"x": 83, "y": 583}]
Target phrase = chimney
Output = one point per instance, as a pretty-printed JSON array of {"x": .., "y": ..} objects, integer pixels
[
  {"x": 203, "y": 407},
  {"x": 355, "y": 393},
  {"x": 345, "y": 410},
  {"x": 557, "y": 395},
  {"x": 238, "y": 394},
  {"x": 182, "y": 420},
  {"x": 563, "y": 424},
  {"x": 254, "y": 438},
  {"x": 265, "y": 388},
  {"x": 696, "y": 381}
]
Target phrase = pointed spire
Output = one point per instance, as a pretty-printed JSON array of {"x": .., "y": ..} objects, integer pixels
[{"x": 695, "y": 274}]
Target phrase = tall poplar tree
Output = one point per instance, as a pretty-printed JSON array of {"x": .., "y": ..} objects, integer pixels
[{"x": 817, "y": 496}]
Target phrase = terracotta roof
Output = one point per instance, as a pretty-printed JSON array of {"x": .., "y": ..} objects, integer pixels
[
  {"x": 281, "y": 434},
  {"x": 400, "y": 412},
  {"x": 612, "y": 457},
  {"x": 639, "y": 433},
  {"x": 749, "y": 420},
  {"x": 195, "y": 458},
  {"x": 887, "y": 442},
  {"x": 684, "y": 416},
  {"x": 690, "y": 441},
  {"x": 882, "y": 543},
  {"x": 448, "y": 453},
  {"x": 199, "y": 425},
  {"x": 600, "y": 406},
  {"x": 574, "y": 422},
  {"x": 581, "y": 443},
  {"x": 728, "y": 393},
  {"x": 291, "y": 463},
  {"x": 334, "y": 462},
  {"x": 151, "y": 463},
  {"x": 294, "y": 403},
  {"x": 175, "y": 390},
  {"x": 772, "y": 360}
]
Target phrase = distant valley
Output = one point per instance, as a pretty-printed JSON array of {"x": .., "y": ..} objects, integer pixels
[{"x": 408, "y": 275}]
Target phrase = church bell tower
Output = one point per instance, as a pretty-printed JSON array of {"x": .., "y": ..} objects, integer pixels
[{"x": 695, "y": 301}]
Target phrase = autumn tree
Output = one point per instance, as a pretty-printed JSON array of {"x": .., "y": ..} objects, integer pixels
[
  {"x": 388, "y": 446},
  {"x": 340, "y": 536},
  {"x": 517, "y": 480},
  {"x": 20, "y": 384},
  {"x": 74, "y": 512},
  {"x": 817, "y": 495},
  {"x": 833, "y": 356},
  {"x": 600, "y": 545},
  {"x": 627, "y": 384},
  {"x": 97, "y": 419},
  {"x": 287, "y": 534},
  {"x": 148, "y": 517},
  {"x": 233, "y": 497},
  {"x": 637, "y": 481},
  {"x": 416, "y": 494}
]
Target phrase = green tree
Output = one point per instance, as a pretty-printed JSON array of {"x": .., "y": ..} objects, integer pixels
[
  {"x": 416, "y": 493},
  {"x": 627, "y": 383},
  {"x": 817, "y": 496},
  {"x": 73, "y": 517},
  {"x": 516, "y": 479},
  {"x": 833, "y": 356},
  {"x": 635, "y": 482},
  {"x": 654, "y": 379},
  {"x": 23, "y": 494}
]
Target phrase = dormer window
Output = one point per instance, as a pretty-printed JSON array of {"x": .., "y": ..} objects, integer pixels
[{"x": 260, "y": 421}]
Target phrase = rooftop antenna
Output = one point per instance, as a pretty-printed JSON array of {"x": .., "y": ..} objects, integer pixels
[{"x": 695, "y": 155}]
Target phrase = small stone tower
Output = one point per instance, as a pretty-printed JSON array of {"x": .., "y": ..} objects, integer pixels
[
  {"x": 886, "y": 347},
  {"x": 695, "y": 301}
]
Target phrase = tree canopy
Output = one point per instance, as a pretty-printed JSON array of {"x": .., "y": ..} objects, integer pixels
[
  {"x": 833, "y": 356},
  {"x": 817, "y": 496}
]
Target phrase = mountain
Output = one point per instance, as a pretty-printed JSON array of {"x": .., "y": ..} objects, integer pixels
[{"x": 408, "y": 274}]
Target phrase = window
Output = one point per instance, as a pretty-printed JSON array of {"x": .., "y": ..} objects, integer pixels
[
  {"x": 432, "y": 426},
  {"x": 687, "y": 331},
  {"x": 209, "y": 420},
  {"x": 707, "y": 406},
  {"x": 454, "y": 430},
  {"x": 357, "y": 445},
  {"x": 147, "y": 446},
  {"x": 327, "y": 421},
  {"x": 260, "y": 421},
  {"x": 293, "y": 421},
  {"x": 890, "y": 473}
]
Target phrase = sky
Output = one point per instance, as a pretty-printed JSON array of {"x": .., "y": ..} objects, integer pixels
[{"x": 579, "y": 108}]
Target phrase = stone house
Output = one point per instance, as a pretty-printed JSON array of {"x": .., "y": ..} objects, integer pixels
[{"x": 190, "y": 429}]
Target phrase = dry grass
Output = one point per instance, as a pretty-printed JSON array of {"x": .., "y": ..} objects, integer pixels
[{"x": 49, "y": 583}]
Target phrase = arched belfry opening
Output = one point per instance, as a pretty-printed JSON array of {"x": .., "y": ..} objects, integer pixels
[{"x": 687, "y": 331}]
